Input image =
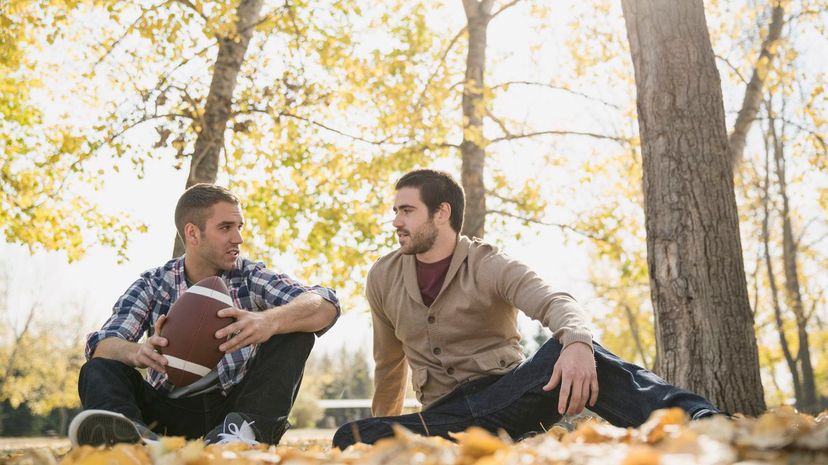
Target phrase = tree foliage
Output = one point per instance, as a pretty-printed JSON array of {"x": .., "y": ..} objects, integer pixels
[
  {"x": 39, "y": 359},
  {"x": 45, "y": 157}
]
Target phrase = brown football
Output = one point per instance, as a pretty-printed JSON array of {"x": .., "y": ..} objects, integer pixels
[{"x": 192, "y": 348}]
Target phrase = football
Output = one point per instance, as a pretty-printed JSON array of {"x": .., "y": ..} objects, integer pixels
[{"x": 192, "y": 348}]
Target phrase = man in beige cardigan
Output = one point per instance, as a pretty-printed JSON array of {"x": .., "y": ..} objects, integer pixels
[{"x": 446, "y": 306}]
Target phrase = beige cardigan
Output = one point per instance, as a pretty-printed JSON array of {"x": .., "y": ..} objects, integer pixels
[{"x": 469, "y": 331}]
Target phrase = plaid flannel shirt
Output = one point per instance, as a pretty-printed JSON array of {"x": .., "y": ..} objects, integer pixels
[{"x": 252, "y": 287}]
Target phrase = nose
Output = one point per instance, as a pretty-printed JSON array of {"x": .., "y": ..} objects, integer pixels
[
  {"x": 397, "y": 223},
  {"x": 237, "y": 238}
]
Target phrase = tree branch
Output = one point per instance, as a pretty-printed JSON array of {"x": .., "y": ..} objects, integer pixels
[
  {"x": 503, "y": 8},
  {"x": 109, "y": 49},
  {"x": 440, "y": 64},
  {"x": 753, "y": 91},
  {"x": 554, "y": 87},
  {"x": 564, "y": 227},
  {"x": 620, "y": 140},
  {"x": 732, "y": 68},
  {"x": 189, "y": 4}
]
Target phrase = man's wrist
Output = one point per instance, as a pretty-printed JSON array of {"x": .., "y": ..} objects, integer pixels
[{"x": 273, "y": 316}]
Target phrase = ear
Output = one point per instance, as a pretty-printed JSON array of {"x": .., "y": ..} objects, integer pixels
[
  {"x": 191, "y": 234},
  {"x": 443, "y": 213}
]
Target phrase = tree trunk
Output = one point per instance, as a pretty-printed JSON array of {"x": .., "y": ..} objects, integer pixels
[
  {"x": 63, "y": 421},
  {"x": 478, "y": 14},
  {"x": 636, "y": 335},
  {"x": 777, "y": 306},
  {"x": 793, "y": 295},
  {"x": 705, "y": 338},
  {"x": 753, "y": 91},
  {"x": 210, "y": 141}
]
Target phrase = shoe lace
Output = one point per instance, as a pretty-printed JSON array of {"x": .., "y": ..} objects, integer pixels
[{"x": 236, "y": 433}]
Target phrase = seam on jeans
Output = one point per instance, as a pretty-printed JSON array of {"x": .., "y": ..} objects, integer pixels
[
  {"x": 425, "y": 426},
  {"x": 513, "y": 399},
  {"x": 619, "y": 415}
]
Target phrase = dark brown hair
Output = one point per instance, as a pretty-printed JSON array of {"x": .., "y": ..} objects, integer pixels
[{"x": 435, "y": 188}]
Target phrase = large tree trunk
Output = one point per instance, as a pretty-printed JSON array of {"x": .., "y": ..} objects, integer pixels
[
  {"x": 205, "y": 159},
  {"x": 704, "y": 324},
  {"x": 478, "y": 14},
  {"x": 753, "y": 91},
  {"x": 808, "y": 401}
]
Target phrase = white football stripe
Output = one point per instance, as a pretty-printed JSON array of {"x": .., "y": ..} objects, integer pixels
[
  {"x": 189, "y": 367},
  {"x": 207, "y": 292}
]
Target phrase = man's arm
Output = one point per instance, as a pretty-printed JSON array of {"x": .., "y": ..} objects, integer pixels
[
  {"x": 391, "y": 369},
  {"x": 117, "y": 339},
  {"x": 308, "y": 312},
  {"x": 139, "y": 355},
  {"x": 575, "y": 369}
]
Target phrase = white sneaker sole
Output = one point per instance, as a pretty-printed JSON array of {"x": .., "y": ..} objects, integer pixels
[{"x": 102, "y": 427}]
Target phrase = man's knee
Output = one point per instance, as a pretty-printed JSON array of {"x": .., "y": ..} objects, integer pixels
[
  {"x": 292, "y": 343},
  {"x": 102, "y": 367},
  {"x": 367, "y": 430},
  {"x": 344, "y": 436}
]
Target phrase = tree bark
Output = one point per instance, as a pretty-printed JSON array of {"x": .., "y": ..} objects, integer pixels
[
  {"x": 705, "y": 338},
  {"x": 218, "y": 108},
  {"x": 753, "y": 91},
  {"x": 478, "y": 14},
  {"x": 793, "y": 295}
]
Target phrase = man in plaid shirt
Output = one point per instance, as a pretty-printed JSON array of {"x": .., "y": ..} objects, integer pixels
[{"x": 248, "y": 396}]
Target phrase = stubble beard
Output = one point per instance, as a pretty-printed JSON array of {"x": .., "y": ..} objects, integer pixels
[{"x": 422, "y": 241}]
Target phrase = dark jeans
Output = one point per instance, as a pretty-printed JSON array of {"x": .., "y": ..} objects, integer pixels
[
  {"x": 265, "y": 394},
  {"x": 515, "y": 402}
]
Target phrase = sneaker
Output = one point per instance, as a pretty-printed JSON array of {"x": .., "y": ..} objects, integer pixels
[
  {"x": 105, "y": 428},
  {"x": 234, "y": 428}
]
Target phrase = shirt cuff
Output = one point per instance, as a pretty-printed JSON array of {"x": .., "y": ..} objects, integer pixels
[
  {"x": 93, "y": 339},
  {"x": 330, "y": 296},
  {"x": 577, "y": 335}
]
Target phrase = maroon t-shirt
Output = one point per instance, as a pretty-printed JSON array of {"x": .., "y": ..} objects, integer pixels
[{"x": 430, "y": 277}]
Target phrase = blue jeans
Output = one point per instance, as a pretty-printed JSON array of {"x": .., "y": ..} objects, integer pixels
[
  {"x": 515, "y": 402},
  {"x": 265, "y": 394}
]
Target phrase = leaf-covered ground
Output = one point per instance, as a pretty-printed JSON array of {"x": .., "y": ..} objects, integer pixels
[{"x": 781, "y": 436}]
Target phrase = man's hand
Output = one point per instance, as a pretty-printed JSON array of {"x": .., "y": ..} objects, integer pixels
[
  {"x": 147, "y": 354},
  {"x": 249, "y": 328},
  {"x": 575, "y": 371}
]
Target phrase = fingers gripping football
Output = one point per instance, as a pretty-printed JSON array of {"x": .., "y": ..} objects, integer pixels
[
  {"x": 249, "y": 328},
  {"x": 147, "y": 355}
]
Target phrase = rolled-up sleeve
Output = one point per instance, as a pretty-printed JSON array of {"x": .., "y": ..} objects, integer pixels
[
  {"x": 130, "y": 317},
  {"x": 278, "y": 289}
]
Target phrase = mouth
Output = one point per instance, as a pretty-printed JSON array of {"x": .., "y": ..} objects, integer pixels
[{"x": 233, "y": 253}]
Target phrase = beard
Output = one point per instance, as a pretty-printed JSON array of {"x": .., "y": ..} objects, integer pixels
[{"x": 422, "y": 240}]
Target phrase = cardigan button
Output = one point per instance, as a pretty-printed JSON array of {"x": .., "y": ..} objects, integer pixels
[
  {"x": 437, "y": 351},
  {"x": 450, "y": 370},
  {"x": 502, "y": 363},
  {"x": 431, "y": 319}
]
